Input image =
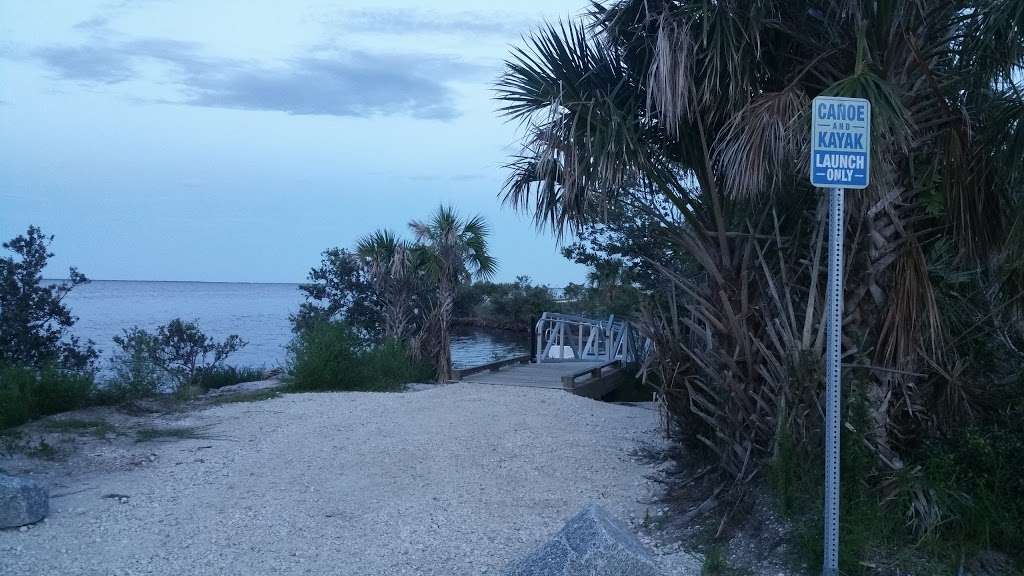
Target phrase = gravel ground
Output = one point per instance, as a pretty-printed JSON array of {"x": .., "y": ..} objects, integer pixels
[{"x": 454, "y": 480}]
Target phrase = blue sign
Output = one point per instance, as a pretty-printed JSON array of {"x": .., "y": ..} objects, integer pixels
[{"x": 840, "y": 142}]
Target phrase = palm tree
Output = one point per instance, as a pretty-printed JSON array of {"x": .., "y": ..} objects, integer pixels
[
  {"x": 454, "y": 251},
  {"x": 702, "y": 106},
  {"x": 391, "y": 265}
]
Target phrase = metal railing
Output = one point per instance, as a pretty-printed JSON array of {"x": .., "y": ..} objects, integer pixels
[{"x": 561, "y": 337}]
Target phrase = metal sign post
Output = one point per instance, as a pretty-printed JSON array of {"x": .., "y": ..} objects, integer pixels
[
  {"x": 833, "y": 378},
  {"x": 840, "y": 158}
]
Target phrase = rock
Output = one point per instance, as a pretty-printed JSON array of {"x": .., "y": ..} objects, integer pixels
[
  {"x": 22, "y": 501},
  {"x": 592, "y": 543}
]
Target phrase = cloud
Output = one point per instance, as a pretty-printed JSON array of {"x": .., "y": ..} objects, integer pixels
[
  {"x": 94, "y": 23},
  {"x": 353, "y": 83},
  {"x": 357, "y": 84},
  {"x": 87, "y": 63},
  {"x": 393, "y": 21}
]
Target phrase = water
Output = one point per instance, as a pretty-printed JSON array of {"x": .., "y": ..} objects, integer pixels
[
  {"x": 256, "y": 312},
  {"x": 476, "y": 346}
]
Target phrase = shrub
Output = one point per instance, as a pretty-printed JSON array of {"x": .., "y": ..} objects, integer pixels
[
  {"x": 14, "y": 405},
  {"x": 135, "y": 374},
  {"x": 179, "y": 349},
  {"x": 976, "y": 473},
  {"x": 28, "y": 393},
  {"x": 329, "y": 356}
]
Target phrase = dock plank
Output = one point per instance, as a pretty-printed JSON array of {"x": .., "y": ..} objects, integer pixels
[{"x": 544, "y": 375}]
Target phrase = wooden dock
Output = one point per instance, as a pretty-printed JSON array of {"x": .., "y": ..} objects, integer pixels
[
  {"x": 585, "y": 356},
  {"x": 584, "y": 378}
]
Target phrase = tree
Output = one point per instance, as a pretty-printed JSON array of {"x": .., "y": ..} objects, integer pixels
[
  {"x": 396, "y": 276},
  {"x": 505, "y": 305},
  {"x": 340, "y": 289},
  {"x": 34, "y": 322},
  {"x": 701, "y": 107},
  {"x": 453, "y": 251},
  {"x": 610, "y": 280}
]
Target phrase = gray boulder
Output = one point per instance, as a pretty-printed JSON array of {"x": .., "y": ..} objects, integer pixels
[
  {"x": 592, "y": 543},
  {"x": 22, "y": 501}
]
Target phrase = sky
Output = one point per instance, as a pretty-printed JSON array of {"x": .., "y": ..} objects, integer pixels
[{"x": 236, "y": 140}]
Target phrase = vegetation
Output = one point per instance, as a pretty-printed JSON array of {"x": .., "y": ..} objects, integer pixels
[
  {"x": 610, "y": 287},
  {"x": 454, "y": 251},
  {"x": 43, "y": 369},
  {"x": 135, "y": 375},
  {"x": 34, "y": 321},
  {"x": 178, "y": 350},
  {"x": 98, "y": 428},
  {"x": 505, "y": 305},
  {"x": 253, "y": 396},
  {"x": 673, "y": 136},
  {"x": 514, "y": 305},
  {"x": 173, "y": 433},
  {"x": 393, "y": 290},
  {"x": 395, "y": 269},
  {"x": 340, "y": 289},
  {"x": 332, "y": 356},
  {"x": 715, "y": 563},
  {"x": 221, "y": 376},
  {"x": 27, "y": 393}
]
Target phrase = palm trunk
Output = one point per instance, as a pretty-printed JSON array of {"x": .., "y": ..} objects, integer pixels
[{"x": 446, "y": 302}]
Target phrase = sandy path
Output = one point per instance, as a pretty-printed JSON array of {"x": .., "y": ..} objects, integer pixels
[{"x": 456, "y": 480}]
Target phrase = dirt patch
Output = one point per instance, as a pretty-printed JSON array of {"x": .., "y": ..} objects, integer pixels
[{"x": 63, "y": 448}]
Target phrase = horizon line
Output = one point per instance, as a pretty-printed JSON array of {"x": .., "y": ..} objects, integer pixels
[{"x": 179, "y": 281}]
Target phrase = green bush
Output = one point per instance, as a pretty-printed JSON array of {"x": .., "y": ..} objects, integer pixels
[
  {"x": 977, "y": 475},
  {"x": 27, "y": 393},
  {"x": 967, "y": 483},
  {"x": 135, "y": 376},
  {"x": 869, "y": 527},
  {"x": 329, "y": 356},
  {"x": 179, "y": 351}
]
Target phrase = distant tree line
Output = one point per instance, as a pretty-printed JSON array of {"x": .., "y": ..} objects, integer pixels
[{"x": 515, "y": 305}]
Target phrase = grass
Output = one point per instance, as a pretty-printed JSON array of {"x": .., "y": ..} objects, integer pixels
[
  {"x": 222, "y": 376},
  {"x": 152, "y": 434},
  {"x": 27, "y": 393},
  {"x": 714, "y": 562},
  {"x": 14, "y": 442},
  {"x": 10, "y": 440},
  {"x": 970, "y": 485},
  {"x": 868, "y": 528},
  {"x": 42, "y": 450},
  {"x": 254, "y": 396},
  {"x": 99, "y": 428}
]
